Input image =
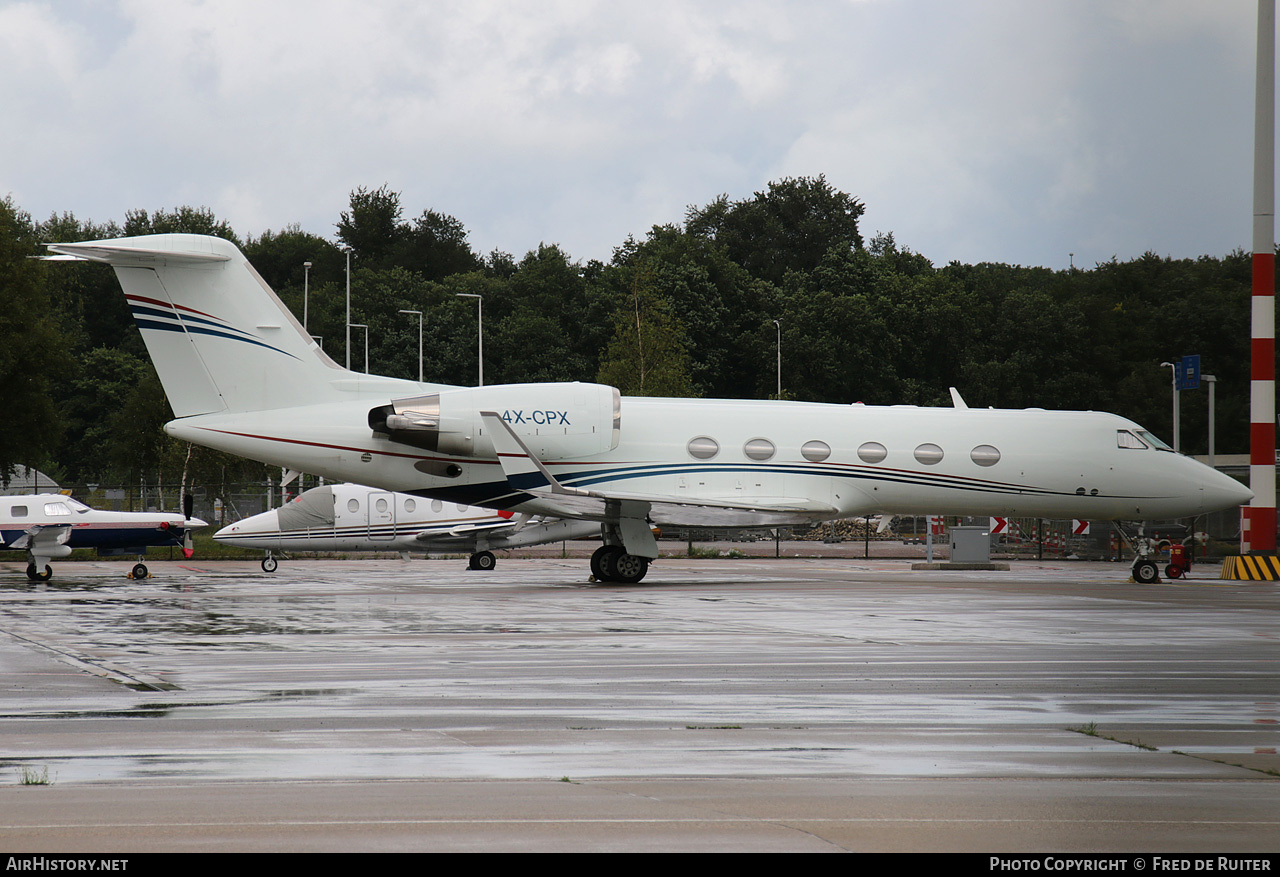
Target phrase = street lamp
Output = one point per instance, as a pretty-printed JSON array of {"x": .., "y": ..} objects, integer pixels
[
  {"x": 347, "y": 250},
  {"x": 419, "y": 313},
  {"x": 479, "y": 328},
  {"x": 1211, "y": 380},
  {"x": 351, "y": 326},
  {"x": 1177, "y": 416},
  {"x": 779, "y": 325},
  {"x": 306, "y": 281}
]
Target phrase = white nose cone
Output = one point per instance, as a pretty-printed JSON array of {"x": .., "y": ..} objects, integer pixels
[
  {"x": 1223, "y": 492},
  {"x": 249, "y": 532}
]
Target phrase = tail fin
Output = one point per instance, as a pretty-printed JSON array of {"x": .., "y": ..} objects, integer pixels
[{"x": 219, "y": 337}]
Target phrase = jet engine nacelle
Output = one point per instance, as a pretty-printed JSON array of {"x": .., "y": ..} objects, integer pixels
[{"x": 557, "y": 421}]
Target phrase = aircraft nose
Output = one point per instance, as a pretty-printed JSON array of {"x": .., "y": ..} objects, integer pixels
[
  {"x": 265, "y": 524},
  {"x": 1223, "y": 492}
]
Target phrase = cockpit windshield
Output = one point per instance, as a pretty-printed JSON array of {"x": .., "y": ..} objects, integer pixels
[
  {"x": 1150, "y": 438},
  {"x": 1126, "y": 439}
]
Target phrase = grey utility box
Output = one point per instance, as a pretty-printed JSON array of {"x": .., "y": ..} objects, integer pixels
[{"x": 970, "y": 544}]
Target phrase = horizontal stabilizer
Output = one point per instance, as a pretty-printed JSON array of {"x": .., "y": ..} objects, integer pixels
[{"x": 117, "y": 255}]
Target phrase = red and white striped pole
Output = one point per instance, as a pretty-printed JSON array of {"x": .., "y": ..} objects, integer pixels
[{"x": 1258, "y": 529}]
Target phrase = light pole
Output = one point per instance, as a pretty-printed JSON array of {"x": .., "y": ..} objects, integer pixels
[
  {"x": 419, "y": 313},
  {"x": 351, "y": 326},
  {"x": 479, "y": 328},
  {"x": 306, "y": 282},
  {"x": 1177, "y": 429},
  {"x": 779, "y": 325},
  {"x": 1210, "y": 380},
  {"x": 347, "y": 250}
]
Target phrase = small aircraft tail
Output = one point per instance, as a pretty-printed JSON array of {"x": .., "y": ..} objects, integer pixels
[{"x": 219, "y": 337}]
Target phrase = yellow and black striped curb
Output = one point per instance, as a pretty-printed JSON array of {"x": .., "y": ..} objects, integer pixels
[{"x": 1252, "y": 568}]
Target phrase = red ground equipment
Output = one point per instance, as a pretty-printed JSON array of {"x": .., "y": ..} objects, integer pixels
[{"x": 1179, "y": 561}]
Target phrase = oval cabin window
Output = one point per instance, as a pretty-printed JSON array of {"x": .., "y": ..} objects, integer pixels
[
  {"x": 929, "y": 454},
  {"x": 872, "y": 452},
  {"x": 703, "y": 447},
  {"x": 815, "y": 451},
  {"x": 985, "y": 455},
  {"x": 759, "y": 449}
]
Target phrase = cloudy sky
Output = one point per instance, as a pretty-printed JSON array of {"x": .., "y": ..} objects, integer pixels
[{"x": 975, "y": 130}]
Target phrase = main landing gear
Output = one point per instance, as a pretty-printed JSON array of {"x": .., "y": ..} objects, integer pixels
[
  {"x": 139, "y": 571},
  {"x": 33, "y": 573},
  {"x": 611, "y": 563},
  {"x": 482, "y": 560}
]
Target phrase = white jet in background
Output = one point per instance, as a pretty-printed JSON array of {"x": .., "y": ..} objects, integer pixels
[
  {"x": 244, "y": 377},
  {"x": 351, "y": 517}
]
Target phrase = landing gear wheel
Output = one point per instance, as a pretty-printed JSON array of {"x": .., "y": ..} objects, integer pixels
[
  {"x": 1173, "y": 572},
  {"x": 140, "y": 571},
  {"x": 1145, "y": 572},
  {"x": 482, "y": 560},
  {"x": 603, "y": 562},
  {"x": 269, "y": 564},
  {"x": 629, "y": 568},
  {"x": 36, "y": 576}
]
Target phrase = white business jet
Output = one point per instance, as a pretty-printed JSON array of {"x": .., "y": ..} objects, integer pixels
[
  {"x": 244, "y": 377},
  {"x": 49, "y": 525},
  {"x": 351, "y": 517}
]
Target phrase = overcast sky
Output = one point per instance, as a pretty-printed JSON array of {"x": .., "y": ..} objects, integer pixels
[{"x": 976, "y": 130}]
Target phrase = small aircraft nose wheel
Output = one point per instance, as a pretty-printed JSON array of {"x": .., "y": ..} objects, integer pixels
[
  {"x": 482, "y": 560},
  {"x": 36, "y": 576},
  {"x": 269, "y": 564}
]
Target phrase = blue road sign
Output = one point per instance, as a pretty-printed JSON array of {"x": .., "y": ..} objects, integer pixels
[{"x": 1189, "y": 373}]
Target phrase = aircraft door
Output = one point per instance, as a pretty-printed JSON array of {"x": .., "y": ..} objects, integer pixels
[{"x": 382, "y": 516}]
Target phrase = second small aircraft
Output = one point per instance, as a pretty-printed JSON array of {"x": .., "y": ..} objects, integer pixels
[{"x": 351, "y": 517}]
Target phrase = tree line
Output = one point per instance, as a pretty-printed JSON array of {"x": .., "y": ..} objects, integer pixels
[{"x": 689, "y": 309}]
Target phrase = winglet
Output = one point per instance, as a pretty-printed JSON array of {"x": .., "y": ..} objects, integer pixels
[
  {"x": 955, "y": 398},
  {"x": 524, "y": 471}
]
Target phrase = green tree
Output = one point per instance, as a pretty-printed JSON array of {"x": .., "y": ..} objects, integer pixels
[
  {"x": 648, "y": 355},
  {"x": 788, "y": 227},
  {"x": 30, "y": 348},
  {"x": 372, "y": 227},
  {"x": 181, "y": 220},
  {"x": 436, "y": 246}
]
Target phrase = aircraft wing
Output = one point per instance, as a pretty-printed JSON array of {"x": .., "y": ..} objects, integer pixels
[
  {"x": 42, "y": 536},
  {"x": 527, "y": 474},
  {"x": 466, "y": 531}
]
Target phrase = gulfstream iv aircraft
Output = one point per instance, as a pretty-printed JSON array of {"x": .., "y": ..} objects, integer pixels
[
  {"x": 351, "y": 517},
  {"x": 243, "y": 377}
]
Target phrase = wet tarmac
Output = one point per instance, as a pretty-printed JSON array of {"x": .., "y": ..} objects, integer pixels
[{"x": 820, "y": 704}]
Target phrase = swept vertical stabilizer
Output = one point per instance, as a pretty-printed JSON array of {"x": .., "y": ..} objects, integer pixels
[{"x": 219, "y": 337}]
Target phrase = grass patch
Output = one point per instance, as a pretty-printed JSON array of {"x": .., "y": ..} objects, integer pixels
[
  {"x": 1091, "y": 730},
  {"x": 33, "y": 776}
]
